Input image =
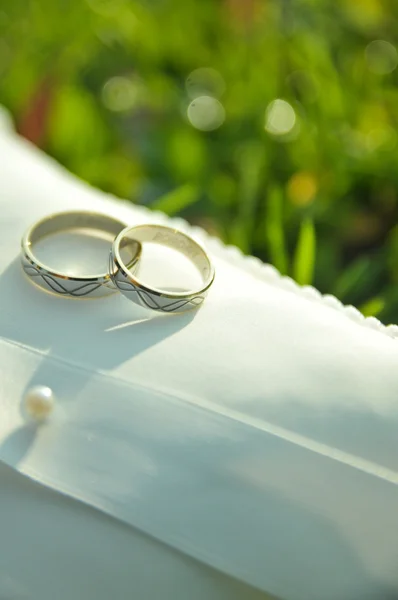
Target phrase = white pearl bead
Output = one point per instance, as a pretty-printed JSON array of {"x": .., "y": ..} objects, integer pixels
[{"x": 39, "y": 402}]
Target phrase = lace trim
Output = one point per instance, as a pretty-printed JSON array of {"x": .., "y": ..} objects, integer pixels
[{"x": 270, "y": 274}]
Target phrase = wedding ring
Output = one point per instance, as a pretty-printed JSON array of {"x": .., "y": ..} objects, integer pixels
[
  {"x": 67, "y": 284},
  {"x": 156, "y": 299}
]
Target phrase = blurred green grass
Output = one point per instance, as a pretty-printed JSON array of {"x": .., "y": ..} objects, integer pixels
[{"x": 270, "y": 123}]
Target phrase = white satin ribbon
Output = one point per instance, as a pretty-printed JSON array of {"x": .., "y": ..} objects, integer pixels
[{"x": 235, "y": 493}]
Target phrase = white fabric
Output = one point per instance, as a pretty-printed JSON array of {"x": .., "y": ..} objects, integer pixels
[
  {"x": 258, "y": 435},
  {"x": 55, "y": 548}
]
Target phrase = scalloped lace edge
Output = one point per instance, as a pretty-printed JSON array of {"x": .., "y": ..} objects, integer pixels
[{"x": 267, "y": 272}]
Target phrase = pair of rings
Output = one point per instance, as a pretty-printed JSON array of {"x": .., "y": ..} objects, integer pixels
[{"x": 123, "y": 264}]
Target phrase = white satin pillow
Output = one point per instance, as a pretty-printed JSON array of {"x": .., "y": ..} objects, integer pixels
[{"x": 256, "y": 437}]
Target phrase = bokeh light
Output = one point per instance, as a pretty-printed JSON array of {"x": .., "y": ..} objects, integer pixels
[
  {"x": 206, "y": 113},
  {"x": 120, "y": 94},
  {"x": 280, "y": 117},
  {"x": 204, "y": 82},
  {"x": 381, "y": 57},
  {"x": 302, "y": 188}
]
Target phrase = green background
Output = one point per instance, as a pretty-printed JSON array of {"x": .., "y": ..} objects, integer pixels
[{"x": 308, "y": 184}]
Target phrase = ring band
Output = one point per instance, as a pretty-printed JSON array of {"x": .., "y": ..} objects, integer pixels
[
  {"x": 160, "y": 300},
  {"x": 63, "y": 283}
]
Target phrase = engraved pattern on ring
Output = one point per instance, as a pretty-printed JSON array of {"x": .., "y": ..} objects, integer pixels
[
  {"x": 63, "y": 286},
  {"x": 147, "y": 299}
]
